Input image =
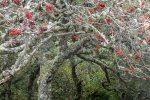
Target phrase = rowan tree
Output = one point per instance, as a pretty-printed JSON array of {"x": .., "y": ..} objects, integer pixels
[{"x": 55, "y": 30}]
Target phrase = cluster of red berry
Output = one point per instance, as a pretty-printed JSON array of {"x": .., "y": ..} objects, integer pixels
[
  {"x": 119, "y": 52},
  {"x": 29, "y": 19},
  {"x": 15, "y": 32}
]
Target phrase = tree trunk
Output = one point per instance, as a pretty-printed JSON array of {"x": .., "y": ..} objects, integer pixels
[
  {"x": 51, "y": 67},
  {"x": 78, "y": 84},
  {"x": 44, "y": 91},
  {"x": 8, "y": 90}
]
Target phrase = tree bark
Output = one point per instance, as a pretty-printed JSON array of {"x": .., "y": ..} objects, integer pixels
[
  {"x": 44, "y": 91},
  {"x": 47, "y": 71},
  {"x": 8, "y": 90}
]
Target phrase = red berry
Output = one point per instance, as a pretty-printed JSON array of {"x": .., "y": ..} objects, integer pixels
[
  {"x": 15, "y": 31},
  {"x": 107, "y": 20},
  {"x": 138, "y": 56},
  {"x": 118, "y": 52},
  {"x": 28, "y": 15},
  {"x": 142, "y": 3},
  {"x": 43, "y": 29},
  {"x": 49, "y": 7},
  {"x": 17, "y": 2},
  {"x": 148, "y": 40},
  {"x": 74, "y": 37},
  {"x": 100, "y": 6},
  {"x": 131, "y": 9},
  {"x": 148, "y": 27}
]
